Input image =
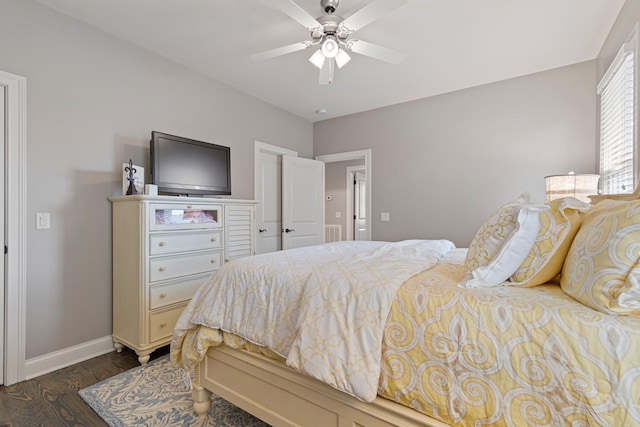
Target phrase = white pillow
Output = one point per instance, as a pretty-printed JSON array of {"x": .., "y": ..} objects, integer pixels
[{"x": 502, "y": 243}]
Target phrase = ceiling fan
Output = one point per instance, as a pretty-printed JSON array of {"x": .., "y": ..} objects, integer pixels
[{"x": 332, "y": 34}]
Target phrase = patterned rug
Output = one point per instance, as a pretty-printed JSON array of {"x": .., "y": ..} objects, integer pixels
[{"x": 158, "y": 394}]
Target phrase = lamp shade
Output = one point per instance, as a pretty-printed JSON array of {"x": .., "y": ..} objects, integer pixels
[{"x": 579, "y": 186}]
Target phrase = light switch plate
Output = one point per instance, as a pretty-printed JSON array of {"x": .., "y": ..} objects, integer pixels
[
  {"x": 43, "y": 221},
  {"x": 384, "y": 216}
]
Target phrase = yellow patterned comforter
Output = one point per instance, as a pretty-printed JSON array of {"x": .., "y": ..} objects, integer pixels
[
  {"x": 500, "y": 356},
  {"x": 509, "y": 356},
  {"x": 323, "y": 308}
]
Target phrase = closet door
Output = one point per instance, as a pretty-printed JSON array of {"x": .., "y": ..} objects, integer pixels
[
  {"x": 269, "y": 196},
  {"x": 298, "y": 197},
  {"x": 302, "y": 202}
]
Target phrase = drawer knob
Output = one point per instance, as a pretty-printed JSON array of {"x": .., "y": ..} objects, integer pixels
[
  {"x": 162, "y": 244},
  {"x": 188, "y": 206},
  {"x": 163, "y": 324},
  {"x": 161, "y": 269},
  {"x": 213, "y": 261},
  {"x": 162, "y": 295},
  {"x": 213, "y": 239}
]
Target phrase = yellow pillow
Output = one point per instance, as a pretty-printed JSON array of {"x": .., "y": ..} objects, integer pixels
[
  {"x": 558, "y": 227},
  {"x": 602, "y": 268},
  {"x": 502, "y": 243}
]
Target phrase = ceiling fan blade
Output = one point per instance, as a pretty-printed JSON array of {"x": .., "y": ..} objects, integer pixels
[
  {"x": 326, "y": 72},
  {"x": 375, "y": 51},
  {"x": 272, "y": 53},
  {"x": 374, "y": 10},
  {"x": 292, "y": 9}
]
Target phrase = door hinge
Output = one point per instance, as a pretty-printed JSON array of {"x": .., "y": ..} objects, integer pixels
[{"x": 6, "y": 249}]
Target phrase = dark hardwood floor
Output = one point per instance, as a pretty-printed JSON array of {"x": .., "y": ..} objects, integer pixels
[{"x": 53, "y": 400}]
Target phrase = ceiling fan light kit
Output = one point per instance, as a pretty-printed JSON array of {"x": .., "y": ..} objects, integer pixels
[
  {"x": 330, "y": 47},
  {"x": 332, "y": 33}
]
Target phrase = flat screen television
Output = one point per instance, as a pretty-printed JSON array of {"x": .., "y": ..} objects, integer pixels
[{"x": 186, "y": 167}]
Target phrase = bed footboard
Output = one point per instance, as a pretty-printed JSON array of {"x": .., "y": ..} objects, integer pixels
[{"x": 280, "y": 396}]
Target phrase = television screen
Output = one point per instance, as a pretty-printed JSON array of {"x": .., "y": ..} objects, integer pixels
[{"x": 182, "y": 166}]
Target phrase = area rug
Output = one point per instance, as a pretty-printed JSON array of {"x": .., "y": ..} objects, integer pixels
[{"x": 158, "y": 394}]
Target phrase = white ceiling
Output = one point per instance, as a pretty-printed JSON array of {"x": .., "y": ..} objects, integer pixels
[{"x": 449, "y": 45}]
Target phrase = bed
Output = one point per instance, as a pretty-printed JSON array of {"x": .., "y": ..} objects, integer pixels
[{"x": 537, "y": 322}]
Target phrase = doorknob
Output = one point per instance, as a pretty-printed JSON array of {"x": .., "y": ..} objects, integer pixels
[
  {"x": 261, "y": 230},
  {"x": 289, "y": 230}
]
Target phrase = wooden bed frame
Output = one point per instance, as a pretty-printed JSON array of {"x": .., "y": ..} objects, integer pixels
[{"x": 281, "y": 396}]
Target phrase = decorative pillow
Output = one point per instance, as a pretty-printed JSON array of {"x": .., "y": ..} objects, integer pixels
[
  {"x": 502, "y": 243},
  {"x": 558, "y": 226},
  {"x": 602, "y": 268}
]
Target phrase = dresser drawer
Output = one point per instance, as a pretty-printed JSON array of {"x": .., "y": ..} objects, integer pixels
[
  {"x": 183, "y": 242},
  {"x": 171, "y": 267},
  {"x": 184, "y": 216},
  {"x": 159, "y": 296},
  {"x": 161, "y": 324}
]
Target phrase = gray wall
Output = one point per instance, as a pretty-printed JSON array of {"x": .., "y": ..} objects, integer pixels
[
  {"x": 92, "y": 102},
  {"x": 440, "y": 165},
  {"x": 627, "y": 18}
]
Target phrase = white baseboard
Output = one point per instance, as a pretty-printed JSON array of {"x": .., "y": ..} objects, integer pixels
[{"x": 67, "y": 356}]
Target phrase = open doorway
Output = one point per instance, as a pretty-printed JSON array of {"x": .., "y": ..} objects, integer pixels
[
  {"x": 356, "y": 203},
  {"x": 268, "y": 185},
  {"x": 347, "y": 206}
]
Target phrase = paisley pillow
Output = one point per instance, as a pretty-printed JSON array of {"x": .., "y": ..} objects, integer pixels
[
  {"x": 502, "y": 243},
  {"x": 602, "y": 267},
  {"x": 558, "y": 226}
]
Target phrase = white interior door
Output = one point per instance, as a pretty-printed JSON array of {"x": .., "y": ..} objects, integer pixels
[
  {"x": 268, "y": 193},
  {"x": 302, "y": 202},
  {"x": 3, "y": 142},
  {"x": 269, "y": 197},
  {"x": 359, "y": 206}
]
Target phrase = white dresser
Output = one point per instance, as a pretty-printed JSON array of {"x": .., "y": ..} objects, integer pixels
[{"x": 164, "y": 248}]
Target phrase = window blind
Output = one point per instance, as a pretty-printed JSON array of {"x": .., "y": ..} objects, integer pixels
[{"x": 617, "y": 122}]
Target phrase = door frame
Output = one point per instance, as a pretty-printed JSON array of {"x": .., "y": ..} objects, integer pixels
[
  {"x": 356, "y": 155},
  {"x": 15, "y": 223}
]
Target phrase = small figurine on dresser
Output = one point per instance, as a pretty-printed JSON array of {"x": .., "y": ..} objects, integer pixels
[
  {"x": 133, "y": 179},
  {"x": 132, "y": 171}
]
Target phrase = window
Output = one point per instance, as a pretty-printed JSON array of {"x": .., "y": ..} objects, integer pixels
[{"x": 617, "y": 123}]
